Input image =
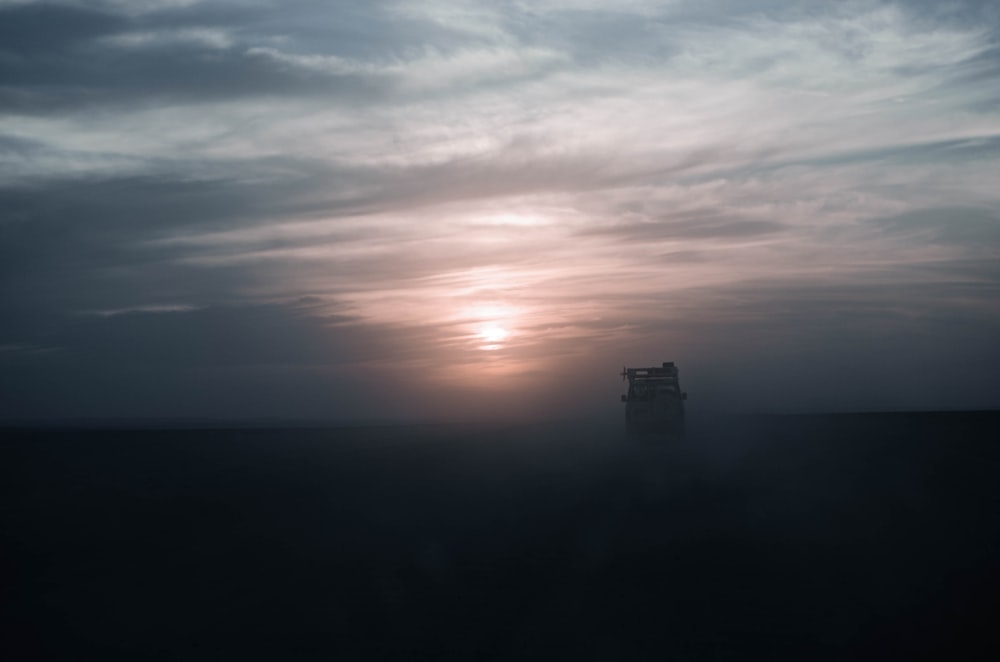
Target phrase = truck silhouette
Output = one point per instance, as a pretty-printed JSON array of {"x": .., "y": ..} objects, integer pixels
[{"x": 654, "y": 402}]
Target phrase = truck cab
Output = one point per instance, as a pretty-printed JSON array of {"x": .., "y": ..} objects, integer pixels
[{"x": 654, "y": 402}]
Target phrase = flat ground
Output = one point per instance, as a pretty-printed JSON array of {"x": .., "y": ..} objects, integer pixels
[{"x": 805, "y": 538}]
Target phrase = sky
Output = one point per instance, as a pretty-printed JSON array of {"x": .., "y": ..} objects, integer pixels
[{"x": 431, "y": 210}]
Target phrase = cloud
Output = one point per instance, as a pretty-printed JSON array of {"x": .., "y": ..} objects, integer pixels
[
  {"x": 203, "y": 37},
  {"x": 712, "y": 229},
  {"x": 152, "y": 308},
  {"x": 602, "y": 183},
  {"x": 970, "y": 228},
  {"x": 37, "y": 30}
]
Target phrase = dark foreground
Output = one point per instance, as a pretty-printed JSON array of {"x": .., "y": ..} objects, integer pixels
[{"x": 800, "y": 538}]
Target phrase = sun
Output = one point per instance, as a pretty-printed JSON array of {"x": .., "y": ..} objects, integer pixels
[
  {"x": 489, "y": 326},
  {"x": 493, "y": 333}
]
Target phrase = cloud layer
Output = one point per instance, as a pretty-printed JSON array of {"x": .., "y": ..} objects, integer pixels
[{"x": 323, "y": 209}]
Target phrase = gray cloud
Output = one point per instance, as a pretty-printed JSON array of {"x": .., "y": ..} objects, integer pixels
[
  {"x": 62, "y": 58},
  {"x": 709, "y": 228},
  {"x": 44, "y": 30},
  {"x": 961, "y": 226}
]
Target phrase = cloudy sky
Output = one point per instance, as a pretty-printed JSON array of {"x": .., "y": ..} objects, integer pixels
[{"x": 431, "y": 209}]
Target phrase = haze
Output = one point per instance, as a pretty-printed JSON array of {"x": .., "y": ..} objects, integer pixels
[{"x": 449, "y": 210}]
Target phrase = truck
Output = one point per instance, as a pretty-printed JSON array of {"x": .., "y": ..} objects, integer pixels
[{"x": 654, "y": 402}]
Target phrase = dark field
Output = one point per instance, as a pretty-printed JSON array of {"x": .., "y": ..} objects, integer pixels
[{"x": 800, "y": 538}]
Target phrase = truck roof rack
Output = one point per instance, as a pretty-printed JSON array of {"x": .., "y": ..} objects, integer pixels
[{"x": 666, "y": 372}]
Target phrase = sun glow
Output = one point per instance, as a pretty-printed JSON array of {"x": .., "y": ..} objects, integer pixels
[{"x": 492, "y": 334}]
